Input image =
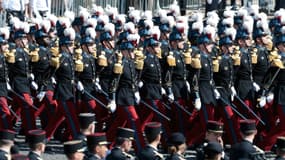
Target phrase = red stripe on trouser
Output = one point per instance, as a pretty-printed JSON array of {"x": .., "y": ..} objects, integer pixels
[
  {"x": 70, "y": 116},
  {"x": 125, "y": 117},
  {"x": 270, "y": 138},
  {"x": 5, "y": 114},
  {"x": 197, "y": 133}
]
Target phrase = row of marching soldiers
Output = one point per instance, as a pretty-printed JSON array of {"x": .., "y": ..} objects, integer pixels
[{"x": 143, "y": 68}]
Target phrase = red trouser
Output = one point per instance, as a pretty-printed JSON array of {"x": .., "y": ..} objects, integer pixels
[
  {"x": 276, "y": 131},
  {"x": 147, "y": 115},
  {"x": 5, "y": 114},
  {"x": 126, "y": 116},
  {"x": 199, "y": 121},
  {"x": 47, "y": 109},
  {"x": 67, "y": 110},
  {"x": 24, "y": 107}
]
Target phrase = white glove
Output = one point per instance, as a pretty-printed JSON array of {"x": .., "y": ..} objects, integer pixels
[
  {"x": 188, "y": 87},
  {"x": 163, "y": 92},
  {"x": 8, "y": 86},
  {"x": 217, "y": 94},
  {"x": 197, "y": 104},
  {"x": 41, "y": 96},
  {"x": 262, "y": 101},
  {"x": 233, "y": 91},
  {"x": 209, "y": 1},
  {"x": 80, "y": 86},
  {"x": 171, "y": 97},
  {"x": 112, "y": 106},
  {"x": 256, "y": 87},
  {"x": 32, "y": 76},
  {"x": 269, "y": 97},
  {"x": 137, "y": 97},
  {"x": 34, "y": 85},
  {"x": 140, "y": 84},
  {"x": 98, "y": 86},
  {"x": 53, "y": 80}
]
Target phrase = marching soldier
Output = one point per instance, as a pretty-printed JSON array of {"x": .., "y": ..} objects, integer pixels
[
  {"x": 36, "y": 140},
  {"x": 153, "y": 132},
  {"x": 244, "y": 82},
  {"x": 276, "y": 86},
  {"x": 223, "y": 66},
  {"x": 21, "y": 79},
  {"x": 203, "y": 84},
  {"x": 105, "y": 63},
  {"x": 97, "y": 146},
  {"x": 123, "y": 145},
  {"x": 87, "y": 77},
  {"x": 175, "y": 77},
  {"x": 43, "y": 72},
  {"x": 65, "y": 86},
  {"x": 6, "y": 121},
  {"x": 150, "y": 80},
  {"x": 125, "y": 94}
]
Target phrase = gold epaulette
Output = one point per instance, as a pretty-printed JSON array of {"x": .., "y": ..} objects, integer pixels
[
  {"x": 277, "y": 62},
  {"x": 79, "y": 65},
  {"x": 236, "y": 56},
  {"x": 10, "y": 55},
  {"x": 118, "y": 67},
  {"x": 273, "y": 55},
  {"x": 54, "y": 51},
  {"x": 216, "y": 64},
  {"x": 55, "y": 61},
  {"x": 187, "y": 56},
  {"x": 139, "y": 61},
  {"x": 34, "y": 55},
  {"x": 269, "y": 45},
  {"x": 102, "y": 60},
  {"x": 196, "y": 61},
  {"x": 253, "y": 53},
  {"x": 77, "y": 54},
  {"x": 171, "y": 60}
]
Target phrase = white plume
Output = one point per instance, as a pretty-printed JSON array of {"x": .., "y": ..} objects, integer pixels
[
  {"x": 231, "y": 32},
  {"x": 110, "y": 27},
  {"x": 198, "y": 26},
  {"x": 70, "y": 15},
  {"x": 210, "y": 31},
  {"x": 130, "y": 27},
  {"x": 69, "y": 32},
  {"x": 90, "y": 32},
  {"x": 155, "y": 32},
  {"x": 5, "y": 31}
]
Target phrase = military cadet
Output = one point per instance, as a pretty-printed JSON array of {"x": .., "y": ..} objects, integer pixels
[
  {"x": 6, "y": 142},
  {"x": 223, "y": 66},
  {"x": 245, "y": 148},
  {"x": 153, "y": 133},
  {"x": 43, "y": 72},
  {"x": 203, "y": 84},
  {"x": 276, "y": 88},
  {"x": 6, "y": 122},
  {"x": 280, "y": 144},
  {"x": 213, "y": 151},
  {"x": 87, "y": 84},
  {"x": 244, "y": 82},
  {"x": 124, "y": 93},
  {"x": 87, "y": 126},
  {"x": 64, "y": 89},
  {"x": 101, "y": 22},
  {"x": 36, "y": 140},
  {"x": 97, "y": 146},
  {"x": 176, "y": 146},
  {"x": 165, "y": 26},
  {"x": 21, "y": 79},
  {"x": 105, "y": 62},
  {"x": 175, "y": 76},
  {"x": 74, "y": 150},
  {"x": 150, "y": 80},
  {"x": 120, "y": 21},
  {"x": 123, "y": 145}
]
